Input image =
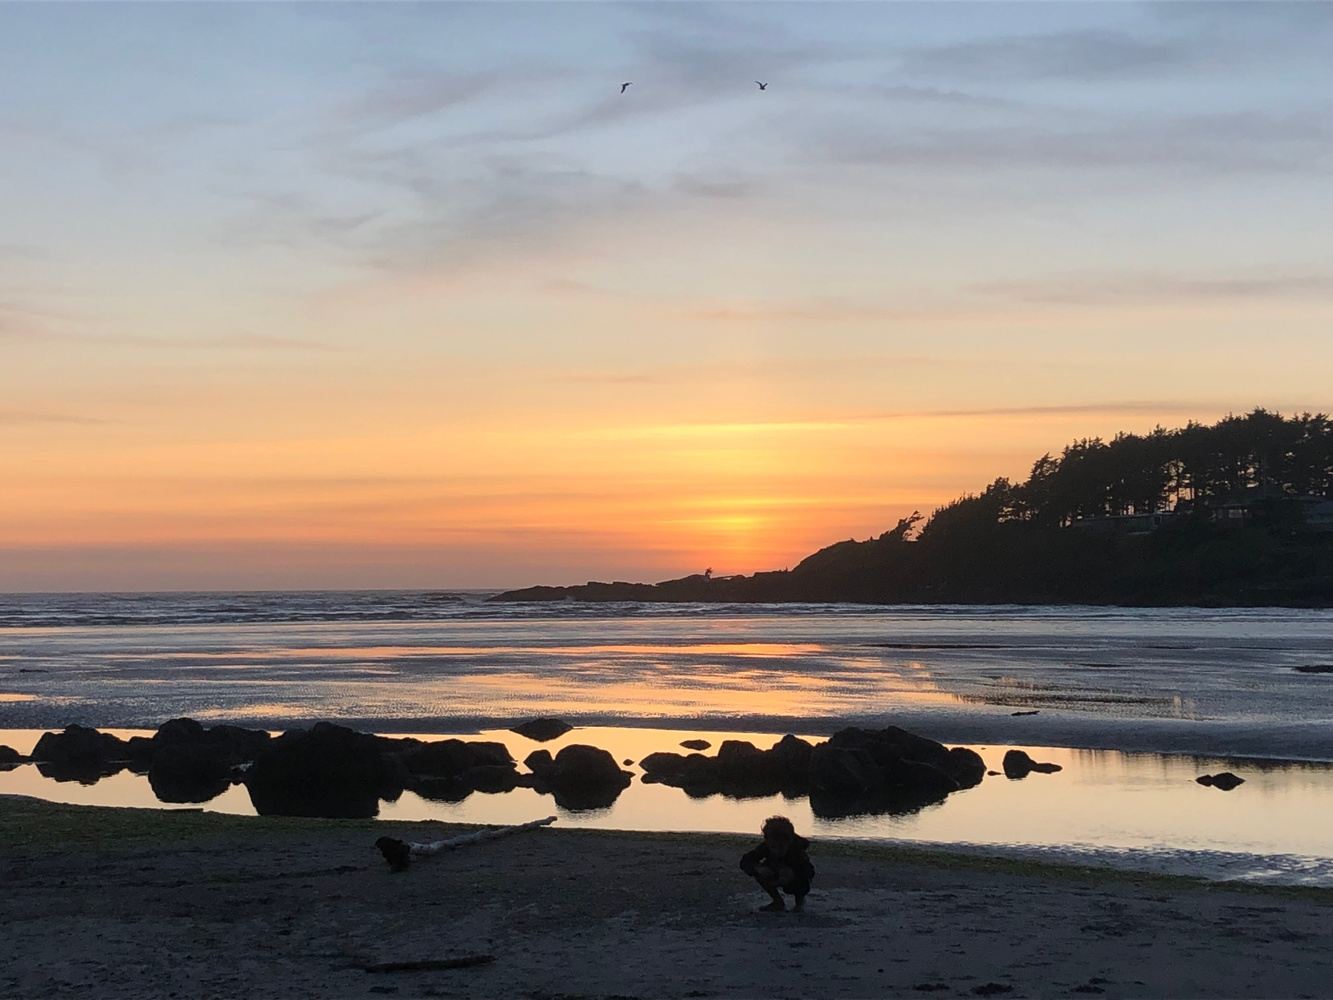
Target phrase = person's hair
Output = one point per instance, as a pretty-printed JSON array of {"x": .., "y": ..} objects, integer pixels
[{"x": 778, "y": 826}]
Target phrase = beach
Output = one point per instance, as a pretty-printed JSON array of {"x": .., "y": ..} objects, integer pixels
[{"x": 140, "y": 903}]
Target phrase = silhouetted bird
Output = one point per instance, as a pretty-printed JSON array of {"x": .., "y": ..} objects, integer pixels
[
  {"x": 762, "y": 86},
  {"x": 625, "y": 86}
]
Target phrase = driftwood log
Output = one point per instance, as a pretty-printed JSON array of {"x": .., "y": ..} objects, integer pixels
[{"x": 399, "y": 853}]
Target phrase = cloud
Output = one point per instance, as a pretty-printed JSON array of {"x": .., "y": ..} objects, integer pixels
[
  {"x": 816, "y": 310},
  {"x": 1203, "y": 144},
  {"x": 1127, "y": 288},
  {"x": 1088, "y": 54},
  {"x": 25, "y": 418},
  {"x": 774, "y": 368}
]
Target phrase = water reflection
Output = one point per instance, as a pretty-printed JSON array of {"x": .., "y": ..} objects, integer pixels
[{"x": 1101, "y": 799}]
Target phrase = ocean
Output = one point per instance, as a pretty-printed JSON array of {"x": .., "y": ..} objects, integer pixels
[{"x": 1133, "y": 702}]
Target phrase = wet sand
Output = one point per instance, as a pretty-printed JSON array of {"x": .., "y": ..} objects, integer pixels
[{"x": 135, "y": 903}]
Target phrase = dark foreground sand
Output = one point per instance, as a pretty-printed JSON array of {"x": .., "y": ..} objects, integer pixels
[{"x": 129, "y": 903}]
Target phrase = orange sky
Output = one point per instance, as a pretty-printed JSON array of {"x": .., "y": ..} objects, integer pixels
[{"x": 405, "y": 296}]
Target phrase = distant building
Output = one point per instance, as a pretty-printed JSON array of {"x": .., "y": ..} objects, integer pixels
[{"x": 1124, "y": 524}]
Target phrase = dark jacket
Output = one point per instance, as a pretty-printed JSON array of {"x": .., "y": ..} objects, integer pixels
[{"x": 797, "y": 859}]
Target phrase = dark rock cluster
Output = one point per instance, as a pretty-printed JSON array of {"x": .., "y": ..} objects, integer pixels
[
  {"x": 332, "y": 771},
  {"x": 856, "y": 771}
]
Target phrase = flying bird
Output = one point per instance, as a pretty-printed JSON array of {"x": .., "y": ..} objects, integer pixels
[
  {"x": 625, "y": 86},
  {"x": 762, "y": 86}
]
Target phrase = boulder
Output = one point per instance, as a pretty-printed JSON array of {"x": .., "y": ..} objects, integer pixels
[
  {"x": 579, "y": 776},
  {"x": 185, "y": 762},
  {"x": 965, "y": 766},
  {"x": 844, "y": 772},
  {"x": 490, "y": 778},
  {"x": 542, "y": 730},
  {"x": 695, "y": 744},
  {"x": 441, "y": 789},
  {"x": 449, "y": 758},
  {"x": 1017, "y": 764},
  {"x": 328, "y": 771},
  {"x": 1223, "y": 780},
  {"x": 540, "y": 763},
  {"x": 9, "y": 757},
  {"x": 79, "y": 745}
]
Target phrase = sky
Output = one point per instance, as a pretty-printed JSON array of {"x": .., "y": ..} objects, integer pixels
[{"x": 380, "y": 295}]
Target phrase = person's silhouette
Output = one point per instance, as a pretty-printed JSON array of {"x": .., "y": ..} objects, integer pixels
[{"x": 780, "y": 864}]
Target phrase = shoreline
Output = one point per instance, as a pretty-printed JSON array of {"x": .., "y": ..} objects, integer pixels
[{"x": 196, "y": 903}]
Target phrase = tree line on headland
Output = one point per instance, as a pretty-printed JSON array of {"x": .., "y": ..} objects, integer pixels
[{"x": 1236, "y": 513}]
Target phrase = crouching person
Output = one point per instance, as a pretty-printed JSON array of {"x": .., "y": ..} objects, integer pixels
[{"x": 780, "y": 864}]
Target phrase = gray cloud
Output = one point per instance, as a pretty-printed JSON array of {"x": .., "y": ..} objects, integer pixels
[
  {"x": 1216, "y": 144},
  {"x": 1110, "y": 289},
  {"x": 1090, "y": 54}
]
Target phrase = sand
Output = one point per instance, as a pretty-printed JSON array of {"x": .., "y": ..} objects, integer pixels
[{"x": 130, "y": 903}]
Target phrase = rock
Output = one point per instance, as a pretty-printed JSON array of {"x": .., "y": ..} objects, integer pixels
[
  {"x": 329, "y": 771},
  {"x": 79, "y": 745},
  {"x": 187, "y": 763},
  {"x": 1032, "y": 712},
  {"x": 179, "y": 731},
  {"x": 490, "y": 778},
  {"x": 540, "y": 763},
  {"x": 189, "y": 773},
  {"x": 627, "y": 763},
  {"x": 449, "y": 758},
  {"x": 740, "y": 769},
  {"x": 579, "y": 776},
  {"x": 965, "y": 766},
  {"x": 695, "y": 744},
  {"x": 441, "y": 789},
  {"x": 80, "y": 754},
  {"x": 542, "y": 730},
  {"x": 1017, "y": 764},
  {"x": 1223, "y": 780},
  {"x": 9, "y": 757},
  {"x": 992, "y": 774},
  {"x": 1316, "y": 668},
  {"x": 844, "y": 772}
]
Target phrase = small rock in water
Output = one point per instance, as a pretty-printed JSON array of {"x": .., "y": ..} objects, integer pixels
[
  {"x": 991, "y": 989},
  {"x": 1033, "y": 712},
  {"x": 1017, "y": 764},
  {"x": 542, "y": 730},
  {"x": 1316, "y": 668},
  {"x": 695, "y": 744},
  {"x": 627, "y": 762},
  {"x": 1224, "y": 780}
]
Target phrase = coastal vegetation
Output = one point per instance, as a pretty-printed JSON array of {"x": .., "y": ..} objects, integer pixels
[{"x": 1236, "y": 513}]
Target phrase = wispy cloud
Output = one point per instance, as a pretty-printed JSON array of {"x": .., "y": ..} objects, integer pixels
[
  {"x": 1135, "y": 288},
  {"x": 25, "y": 418},
  {"x": 731, "y": 372},
  {"x": 1089, "y": 54},
  {"x": 1204, "y": 144}
]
